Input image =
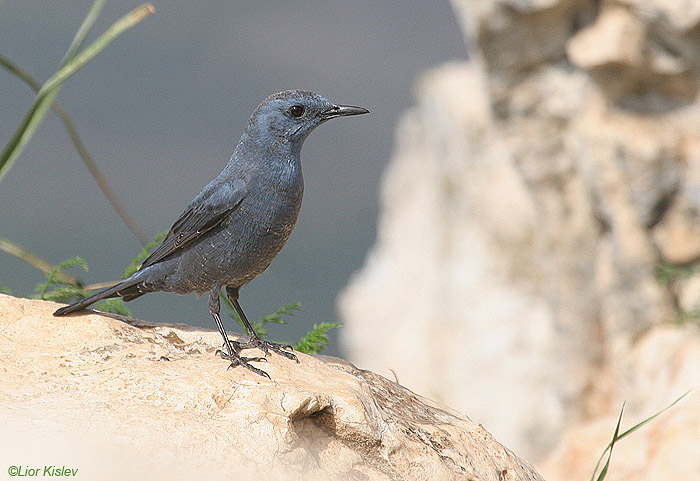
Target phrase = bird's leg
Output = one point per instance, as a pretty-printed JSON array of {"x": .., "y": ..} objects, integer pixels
[
  {"x": 232, "y": 348},
  {"x": 255, "y": 341}
]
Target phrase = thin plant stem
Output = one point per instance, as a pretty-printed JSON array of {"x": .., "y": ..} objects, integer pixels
[
  {"x": 82, "y": 152},
  {"x": 34, "y": 260},
  {"x": 44, "y": 98}
]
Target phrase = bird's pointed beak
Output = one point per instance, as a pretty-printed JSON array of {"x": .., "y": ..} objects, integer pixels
[{"x": 343, "y": 110}]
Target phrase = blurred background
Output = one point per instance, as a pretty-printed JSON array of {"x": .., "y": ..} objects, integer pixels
[
  {"x": 162, "y": 108},
  {"x": 514, "y": 231}
]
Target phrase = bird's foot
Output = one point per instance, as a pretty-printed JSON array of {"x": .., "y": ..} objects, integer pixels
[
  {"x": 231, "y": 354},
  {"x": 267, "y": 346}
]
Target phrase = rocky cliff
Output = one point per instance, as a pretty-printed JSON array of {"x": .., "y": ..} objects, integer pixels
[{"x": 541, "y": 218}]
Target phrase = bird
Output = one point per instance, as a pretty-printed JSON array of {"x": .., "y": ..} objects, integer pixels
[{"x": 239, "y": 222}]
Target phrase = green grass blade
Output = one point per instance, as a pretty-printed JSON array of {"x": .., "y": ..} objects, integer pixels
[
  {"x": 608, "y": 450},
  {"x": 46, "y": 94},
  {"x": 81, "y": 149},
  {"x": 84, "y": 29},
  {"x": 16, "y": 250},
  {"x": 119, "y": 27},
  {"x": 25, "y": 131},
  {"x": 617, "y": 437},
  {"x": 637, "y": 426}
]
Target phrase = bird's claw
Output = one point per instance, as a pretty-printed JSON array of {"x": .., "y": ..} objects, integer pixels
[
  {"x": 225, "y": 355},
  {"x": 237, "y": 360},
  {"x": 267, "y": 346}
]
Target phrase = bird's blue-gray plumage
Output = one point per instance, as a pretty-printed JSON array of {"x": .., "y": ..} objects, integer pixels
[{"x": 233, "y": 229}]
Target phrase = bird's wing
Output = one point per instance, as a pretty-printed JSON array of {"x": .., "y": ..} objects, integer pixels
[{"x": 207, "y": 211}]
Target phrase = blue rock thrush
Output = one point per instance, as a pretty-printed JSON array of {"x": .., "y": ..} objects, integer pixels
[{"x": 233, "y": 229}]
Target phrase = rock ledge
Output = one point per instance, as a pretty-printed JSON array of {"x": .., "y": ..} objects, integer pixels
[{"x": 119, "y": 398}]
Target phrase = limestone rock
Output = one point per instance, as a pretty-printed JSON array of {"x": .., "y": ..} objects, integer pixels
[
  {"x": 689, "y": 295},
  {"x": 616, "y": 37},
  {"x": 682, "y": 15},
  {"x": 515, "y": 35},
  {"x": 634, "y": 58},
  {"x": 118, "y": 398},
  {"x": 533, "y": 194},
  {"x": 677, "y": 235},
  {"x": 444, "y": 271},
  {"x": 664, "y": 364}
]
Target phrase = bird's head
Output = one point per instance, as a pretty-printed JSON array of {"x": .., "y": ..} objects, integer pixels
[{"x": 289, "y": 116}]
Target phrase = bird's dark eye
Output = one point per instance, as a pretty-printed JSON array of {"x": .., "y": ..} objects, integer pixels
[{"x": 296, "y": 111}]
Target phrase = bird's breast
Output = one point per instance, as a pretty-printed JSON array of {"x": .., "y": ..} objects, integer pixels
[{"x": 248, "y": 239}]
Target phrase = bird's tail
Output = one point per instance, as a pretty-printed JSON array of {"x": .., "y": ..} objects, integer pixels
[{"x": 127, "y": 288}]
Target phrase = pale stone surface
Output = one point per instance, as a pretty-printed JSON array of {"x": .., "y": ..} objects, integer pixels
[
  {"x": 133, "y": 400},
  {"x": 616, "y": 37},
  {"x": 533, "y": 194},
  {"x": 515, "y": 35},
  {"x": 663, "y": 365},
  {"x": 677, "y": 235},
  {"x": 682, "y": 15},
  {"x": 630, "y": 55},
  {"x": 689, "y": 294},
  {"x": 461, "y": 289}
]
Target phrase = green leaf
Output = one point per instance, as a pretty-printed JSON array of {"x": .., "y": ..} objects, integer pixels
[
  {"x": 313, "y": 342},
  {"x": 136, "y": 262},
  {"x": 57, "y": 289},
  {"x": 259, "y": 326},
  {"x": 113, "y": 305},
  {"x": 276, "y": 317},
  {"x": 316, "y": 340},
  {"x": 63, "y": 294},
  {"x": 53, "y": 278}
]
